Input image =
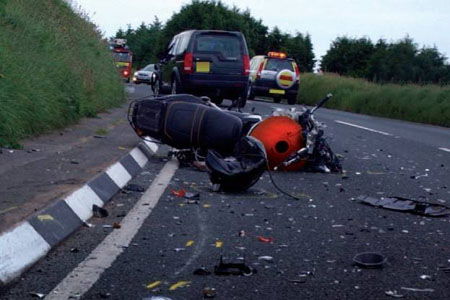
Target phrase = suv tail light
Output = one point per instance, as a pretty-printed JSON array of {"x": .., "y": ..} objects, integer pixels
[
  {"x": 297, "y": 71},
  {"x": 188, "y": 64},
  {"x": 126, "y": 73},
  {"x": 246, "y": 61},
  {"x": 260, "y": 68}
]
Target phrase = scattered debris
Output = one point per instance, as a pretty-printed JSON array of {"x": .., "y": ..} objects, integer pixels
[
  {"x": 266, "y": 258},
  {"x": 89, "y": 225},
  {"x": 192, "y": 196},
  {"x": 203, "y": 271},
  {"x": 407, "y": 205},
  {"x": 370, "y": 260},
  {"x": 241, "y": 233},
  {"x": 209, "y": 292},
  {"x": 99, "y": 212},
  {"x": 417, "y": 290},
  {"x": 107, "y": 226},
  {"x": 74, "y": 250},
  {"x": 134, "y": 188},
  {"x": 218, "y": 244},
  {"x": 179, "y": 249},
  {"x": 265, "y": 239},
  {"x": 116, "y": 225},
  {"x": 179, "y": 284},
  {"x": 153, "y": 284},
  {"x": 74, "y": 162},
  {"x": 394, "y": 294},
  {"x": 189, "y": 243},
  {"x": 104, "y": 295},
  {"x": 206, "y": 205},
  {"x": 156, "y": 298},
  {"x": 37, "y": 295},
  {"x": 178, "y": 193},
  {"x": 444, "y": 269},
  {"x": 426, "y": 277},
  {"x": 233, "y": 268}
]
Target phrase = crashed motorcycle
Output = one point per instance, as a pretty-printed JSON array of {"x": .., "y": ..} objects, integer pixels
[{"x": 233, "y": 146}]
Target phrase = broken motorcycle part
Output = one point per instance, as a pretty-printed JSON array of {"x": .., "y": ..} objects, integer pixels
[
  {"x": 99, "y": 212},
  {"x": 407, "y": 205},
  {"x": 233, "y": 268},
  {"x": 370, "y": 260}
]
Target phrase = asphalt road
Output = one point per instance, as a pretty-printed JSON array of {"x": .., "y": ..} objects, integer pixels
[{"x": 314, "y": 239}]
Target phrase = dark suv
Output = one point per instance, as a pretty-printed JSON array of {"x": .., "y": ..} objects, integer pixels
[
  {"x": 274, "y": 75},
  {"x": 209, "y": 63}
]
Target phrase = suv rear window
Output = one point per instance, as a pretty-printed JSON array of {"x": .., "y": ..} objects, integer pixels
[
  {"x": 228, "y": 45},
  {"x": 274, "y": 64}
]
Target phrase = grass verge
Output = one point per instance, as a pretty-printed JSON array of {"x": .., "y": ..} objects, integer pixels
[
  {"x": 425, "y": 104},
  {"x": 55, "y": 69}
]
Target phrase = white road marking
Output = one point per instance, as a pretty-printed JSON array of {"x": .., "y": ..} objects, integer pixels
[
  {"x": 19, "y": 249},
  {"x": 118, "y": 174},
  {"x": 362, "y": 127},
  {"x": 444, "y": 149},
  {"x": 84, "y": 276},
  {"x": 139, "y": 157},
  {"x": 81, "y": 202}
]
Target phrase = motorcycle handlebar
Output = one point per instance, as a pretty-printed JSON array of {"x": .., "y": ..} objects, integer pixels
[{"x": 321, "y": 103}]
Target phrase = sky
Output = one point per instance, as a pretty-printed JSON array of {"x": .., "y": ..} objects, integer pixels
[{"x": 426, "y": 22}]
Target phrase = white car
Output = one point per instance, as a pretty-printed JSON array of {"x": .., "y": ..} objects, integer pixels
[{"x": 144, "y": 75}]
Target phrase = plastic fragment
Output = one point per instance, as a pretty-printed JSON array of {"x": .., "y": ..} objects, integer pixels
[
  {"x": 266, "y": 258},
  {"x": 134, "y": 188},
  {"x": 178, "y": 193},
  {"x": 189, "y": 243},
  {"x": 233, "y": 268},
  {"x": 407, "y": 205},
  {"x": 218, "y": 244},
  {"x": 417, "y": 290},
  {"x": 179, "y": 284},
  {"x": 192, "y": 196},
  {"x": 265, "y": 239},
  {"x": 426, "y": 277},
  {"x": 209, "y": 292},
  {"x": 394, "y": 294},
  {"x": 203, "y": 271},
  {"x": 153, "y": 284},
  {"x": 37, "y": 295},
  {"x": 99, "y": 212},
  {"x": 241, "y": 233},
  {"x": 206, "y": 205}
]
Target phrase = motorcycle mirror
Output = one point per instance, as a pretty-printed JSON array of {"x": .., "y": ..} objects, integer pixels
[{"x": 153, "y": 79}]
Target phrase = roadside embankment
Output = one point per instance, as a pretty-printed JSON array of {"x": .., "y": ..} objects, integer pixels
[
  {"x": 428, "y": 104},
  {"x": 54, "y": 69}
]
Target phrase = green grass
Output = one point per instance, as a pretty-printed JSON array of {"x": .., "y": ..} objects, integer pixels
[
  {"x": 54, "y": 70},
  {"x": 425, "y": 104}
]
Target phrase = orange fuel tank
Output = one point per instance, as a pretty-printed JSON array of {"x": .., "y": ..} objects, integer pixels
[{"x": 281, "y": 136}]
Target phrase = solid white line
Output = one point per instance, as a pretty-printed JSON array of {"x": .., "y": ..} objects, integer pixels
[
  {"x": 362, "y": 127},
  {"x": 444, "y": 149},
  {"x": 139, "y": 157},
  {"x": 81, "y": 202},
  {"x": 118, "y": 174},
  {"x": 83, "y": 277},
  {"x": 19, "y": 249}
]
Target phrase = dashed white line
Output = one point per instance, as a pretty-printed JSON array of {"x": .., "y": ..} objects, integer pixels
[
  {"x": 444, "y": 149},
  {"x": 84, "y": 276},
  {"x": 362, "y": 127}
]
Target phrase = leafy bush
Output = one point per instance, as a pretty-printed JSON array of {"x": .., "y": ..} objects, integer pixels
[{"x": 426, "y": 104}]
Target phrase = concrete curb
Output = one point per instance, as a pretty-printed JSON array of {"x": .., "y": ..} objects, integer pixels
[{"x": 30, "y": 240}]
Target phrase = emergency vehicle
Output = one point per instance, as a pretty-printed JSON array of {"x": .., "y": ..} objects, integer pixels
[{"x": 122, "y": 57}]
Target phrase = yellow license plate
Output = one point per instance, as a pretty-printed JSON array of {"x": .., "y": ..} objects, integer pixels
[
  {"x": 274, "y": 91},
  {"x": 202, "y": 67}
]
